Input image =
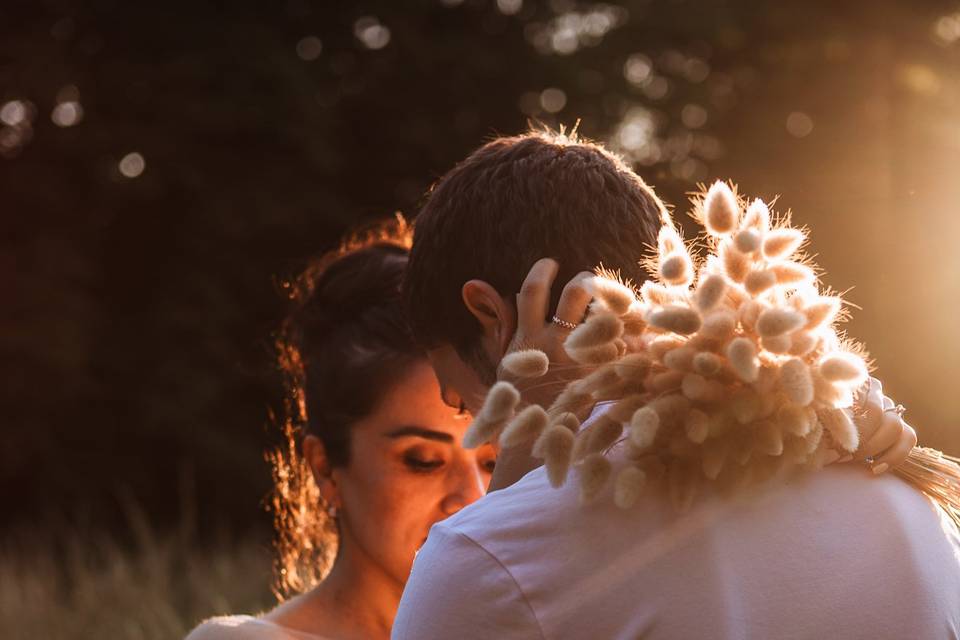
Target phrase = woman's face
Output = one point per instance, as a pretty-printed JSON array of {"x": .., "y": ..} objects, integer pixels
[{"x": 407, "y": 470}]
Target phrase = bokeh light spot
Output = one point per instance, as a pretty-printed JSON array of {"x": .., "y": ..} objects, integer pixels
[
  {"x": 565, "y": 41},
  {"x": 13, "y": 113},
  {"x": 371, "y": 33},
  {"x": 637, "y": 69},
  {"x": 635, "y": 137},
  {"x": 309, "y": 48},
  {"x": 708, "y": 147},
  {"x": 696, "y": 70},
  {"x": 132, "y": 165},
  {"x": 919, "y": 79},
  {"x": 693, "y": 116},
  {"x": 689, "y": 169},
  {"x": 799, "y": 124},
  {"x": 572, "y": 29},
  {"x": 509, "y": 7},
  {"x": 553, "y": 100},
  {"x": 67, "y": 114},
  {"x": 658, "y": 87},
  {"x": 946, "y": 30}
]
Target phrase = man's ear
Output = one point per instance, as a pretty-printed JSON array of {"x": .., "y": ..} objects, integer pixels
[
  {"x": 315, "y": 455},
  {"x": 497, "y": 318}
]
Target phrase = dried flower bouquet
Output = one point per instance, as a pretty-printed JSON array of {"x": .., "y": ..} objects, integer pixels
[{"x": 726, "y": 368}]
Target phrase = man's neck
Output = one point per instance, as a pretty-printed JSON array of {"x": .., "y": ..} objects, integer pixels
[
  {"x": 512, "y": 464},
  {"x": 515, "y": 462}
]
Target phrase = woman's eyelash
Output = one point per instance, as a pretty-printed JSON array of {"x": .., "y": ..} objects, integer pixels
[{"x": 418, "y": 464}]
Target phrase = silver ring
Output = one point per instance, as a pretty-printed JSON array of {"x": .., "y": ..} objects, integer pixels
[{"x": 563, "y": 323}]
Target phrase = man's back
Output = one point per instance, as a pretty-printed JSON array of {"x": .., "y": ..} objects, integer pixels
[{"x": 833, "y": 554}]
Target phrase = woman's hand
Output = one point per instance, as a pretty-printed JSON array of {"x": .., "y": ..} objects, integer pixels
[
  {"x": 535, "y": 331},
  {"x": 886, "y": 439}
]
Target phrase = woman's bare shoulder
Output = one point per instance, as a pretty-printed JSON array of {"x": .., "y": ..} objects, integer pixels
[
  {"x": 231, "y": 628},
  {"x": 245, "y": 628}
]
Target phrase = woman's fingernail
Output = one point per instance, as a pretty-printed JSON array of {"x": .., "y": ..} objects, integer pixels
[
  {"x": 880, "y": 468},
  {"x": 846, "y": 458}
]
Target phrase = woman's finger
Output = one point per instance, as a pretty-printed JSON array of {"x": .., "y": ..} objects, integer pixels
[
  {"x": 898, "y": 453},
  {"x": 825, "y": 456},
  {"x": 575, "y": 298},
  {"x": 886, "y": 436},
  {"x": 534, "y": 297},
  {"x": 868, "y": 421}
]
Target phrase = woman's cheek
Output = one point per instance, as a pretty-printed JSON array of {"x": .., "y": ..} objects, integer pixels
[
  {"x": 411, "y": 508},
  {"x": 379, "y": 497},
  {"x": 409, "y": 496}
]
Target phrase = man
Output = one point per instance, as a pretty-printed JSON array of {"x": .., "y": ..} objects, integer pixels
[{"x": 837, "y": 554}]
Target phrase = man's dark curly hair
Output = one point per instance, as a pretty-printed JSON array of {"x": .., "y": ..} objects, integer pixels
[{"x": 508, "y": 204}]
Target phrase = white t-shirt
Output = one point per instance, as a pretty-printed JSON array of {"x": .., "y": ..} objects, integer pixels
[
  {"x": 246, "y": 628},
  {"x": 833, "y": 554}
]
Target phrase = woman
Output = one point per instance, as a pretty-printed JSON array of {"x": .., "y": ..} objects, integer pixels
[{"x": 381, "y": 457}]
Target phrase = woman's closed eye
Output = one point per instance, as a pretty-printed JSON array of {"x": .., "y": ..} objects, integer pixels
[{"x": 419, "y": 463}]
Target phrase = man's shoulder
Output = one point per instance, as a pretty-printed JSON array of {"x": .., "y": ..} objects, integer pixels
[
  {"x": 541, "y": 551},
  {"x": 533, "y": 509}
]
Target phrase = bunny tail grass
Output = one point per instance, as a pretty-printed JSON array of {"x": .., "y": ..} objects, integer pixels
[
  {"x": 935, "y": 474},
  {"x": 528, "y": 363},
  {"x": 726, "y": 367},
  {"x": 525, "y": 427},
  {"x": 721, "y": 211}
]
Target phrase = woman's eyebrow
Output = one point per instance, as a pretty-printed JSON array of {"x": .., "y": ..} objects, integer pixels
[{"x": 420, "y": 432}]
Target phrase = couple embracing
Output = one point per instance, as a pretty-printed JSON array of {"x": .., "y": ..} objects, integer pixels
[{"x": 501, "y": 258}]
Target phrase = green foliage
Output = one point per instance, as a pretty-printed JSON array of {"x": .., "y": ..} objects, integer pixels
[
  {"x": 87, "y": 584},
  {"x": 137, "y": 333},
  {"x": 137, "y": 313}
]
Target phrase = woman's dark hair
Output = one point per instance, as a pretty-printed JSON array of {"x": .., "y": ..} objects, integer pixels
[{"x": 341, "y": 347}]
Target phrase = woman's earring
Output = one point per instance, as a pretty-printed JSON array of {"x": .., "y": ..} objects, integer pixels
[{"x": 332, "y": 511}]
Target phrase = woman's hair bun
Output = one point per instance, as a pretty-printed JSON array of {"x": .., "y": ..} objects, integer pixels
[{"x": 358, "y": 281}]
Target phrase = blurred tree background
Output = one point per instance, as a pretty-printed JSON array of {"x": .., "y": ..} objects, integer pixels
[{"x": 164, "y": 168}]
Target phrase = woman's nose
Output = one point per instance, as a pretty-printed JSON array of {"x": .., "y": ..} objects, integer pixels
[{"x": 466, "y": 486}]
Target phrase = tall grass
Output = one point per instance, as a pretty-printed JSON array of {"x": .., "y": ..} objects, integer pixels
[{"x": 76, "y": 582}]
